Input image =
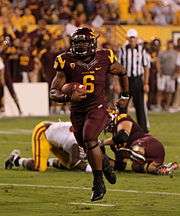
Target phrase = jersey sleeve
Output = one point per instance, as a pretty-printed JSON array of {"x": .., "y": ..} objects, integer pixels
[
  {"x": 121, "y": 118},
  {"x": 111, "y": 57},
  {"x": 59, "y": 63}
]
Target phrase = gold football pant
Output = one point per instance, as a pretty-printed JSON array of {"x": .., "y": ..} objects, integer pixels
[{"x": 41, "y": 149}]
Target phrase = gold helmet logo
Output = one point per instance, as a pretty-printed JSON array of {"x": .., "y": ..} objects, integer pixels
[{"x": 72, "y": 65}]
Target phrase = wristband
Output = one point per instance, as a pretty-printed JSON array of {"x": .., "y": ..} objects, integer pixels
[
  {"x": 62, "y": 98},
  {"x": 124, "y": 95}
]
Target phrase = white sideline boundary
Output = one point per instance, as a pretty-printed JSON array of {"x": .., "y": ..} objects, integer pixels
[
  {"x": 85, "y": 188},
  {"x": 92, "y": 204}
]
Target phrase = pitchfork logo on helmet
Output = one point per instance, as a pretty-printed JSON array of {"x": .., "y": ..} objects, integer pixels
[{"x": 83, "y": 42}]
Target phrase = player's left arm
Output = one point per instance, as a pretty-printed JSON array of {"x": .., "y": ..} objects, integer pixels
[
  {"x": 117, "y": 69},
  {"x": 123, "y": 132},
  {"x": 120, "y": 138}
]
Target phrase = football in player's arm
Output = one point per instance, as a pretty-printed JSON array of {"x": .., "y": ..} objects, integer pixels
[
  {"x": 56, "y": 138},
  {"x": 128, "y": 141},
  {"x": 86, "y": 65}
]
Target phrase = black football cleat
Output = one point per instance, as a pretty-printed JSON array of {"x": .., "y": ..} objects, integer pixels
[
  {"x": 98, "y": 190},
  {"x": 108, "y": 170},
  {"x": 9, "y": 163}
]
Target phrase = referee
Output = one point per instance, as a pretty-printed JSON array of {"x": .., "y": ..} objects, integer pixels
[{"x": 135, "y": 59}]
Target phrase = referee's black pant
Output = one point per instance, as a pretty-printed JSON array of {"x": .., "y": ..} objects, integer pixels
[{"x": 136, "y": 89}]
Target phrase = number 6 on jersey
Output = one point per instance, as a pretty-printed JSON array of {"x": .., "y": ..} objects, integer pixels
[{"x": 88, "y": 82}]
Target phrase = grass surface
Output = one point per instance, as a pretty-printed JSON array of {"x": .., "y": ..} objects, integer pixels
[{"x": 31, "y": 193}]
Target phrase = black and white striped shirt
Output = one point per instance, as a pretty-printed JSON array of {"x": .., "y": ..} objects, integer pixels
[{"x": 133, "y": 59}]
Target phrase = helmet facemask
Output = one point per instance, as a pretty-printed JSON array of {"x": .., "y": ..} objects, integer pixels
[{"x": 83, "y": 44}]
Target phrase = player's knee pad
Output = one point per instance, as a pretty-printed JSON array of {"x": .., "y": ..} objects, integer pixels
[
  {"x": 89, "y": 145},
  {"x": 120, "y": 137}
]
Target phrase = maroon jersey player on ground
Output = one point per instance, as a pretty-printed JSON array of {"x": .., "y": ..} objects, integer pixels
[
  {"x": 130, "y": 142},
  {"x": 86, "y": 65}
]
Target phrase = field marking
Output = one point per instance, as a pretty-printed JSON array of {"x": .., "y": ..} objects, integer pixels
[
  {"x": 93, "y": 204},
  {"x": 16, "y": 132},
  {"x": 16, "y": 142},
  {"x": 85, "y": 188}
]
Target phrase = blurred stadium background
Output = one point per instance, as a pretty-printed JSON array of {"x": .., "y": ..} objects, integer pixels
[{"x": 32, "y": 33}]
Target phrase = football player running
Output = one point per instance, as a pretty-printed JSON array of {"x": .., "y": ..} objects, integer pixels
[
  {"x": 86, "y": 65},
  {"x": 56, "y": 138},
  {"x": 128, "y": 141}
]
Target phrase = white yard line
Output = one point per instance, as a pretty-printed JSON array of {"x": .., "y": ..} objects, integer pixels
[
  {"x": 16, "y": 142},
  {"x": 16, "y": 132},
  {"x": 93, "y": 204},
  {"x": 85, "y": 188}
]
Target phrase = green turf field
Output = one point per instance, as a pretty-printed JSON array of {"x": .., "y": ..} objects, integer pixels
[{"x": 67, "y": 193}]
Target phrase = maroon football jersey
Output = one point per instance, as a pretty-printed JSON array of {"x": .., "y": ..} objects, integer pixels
[
  {"x": 154, "y": 150},
  {"x": 94, "y": 75}
]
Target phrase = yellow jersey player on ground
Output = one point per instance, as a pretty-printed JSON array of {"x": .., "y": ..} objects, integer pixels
[{"x": 51, "y": 137}]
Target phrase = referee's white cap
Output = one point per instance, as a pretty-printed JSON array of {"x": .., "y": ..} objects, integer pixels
[{"x": 132, "y": 33}]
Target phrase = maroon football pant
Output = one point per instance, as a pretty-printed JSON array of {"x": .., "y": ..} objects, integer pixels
[{"x": 88, "y": 125}]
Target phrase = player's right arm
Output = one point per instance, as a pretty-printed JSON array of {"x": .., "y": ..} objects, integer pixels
[
  {"x": 56, "y": 93},
  {"x": 56, "y": 86},
  {"x": 59, "y": 81}
]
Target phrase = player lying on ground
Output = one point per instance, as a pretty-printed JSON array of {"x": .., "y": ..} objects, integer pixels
[
  {"x": 130, "y": 142},
  {"x": 56, "y": 138}
]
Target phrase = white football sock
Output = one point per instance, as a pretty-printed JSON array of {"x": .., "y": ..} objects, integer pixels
[
  {"x": 50, "y": 162},
  {"x": 88, "y": 169},
  {"x": 21, "y": 160}
]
